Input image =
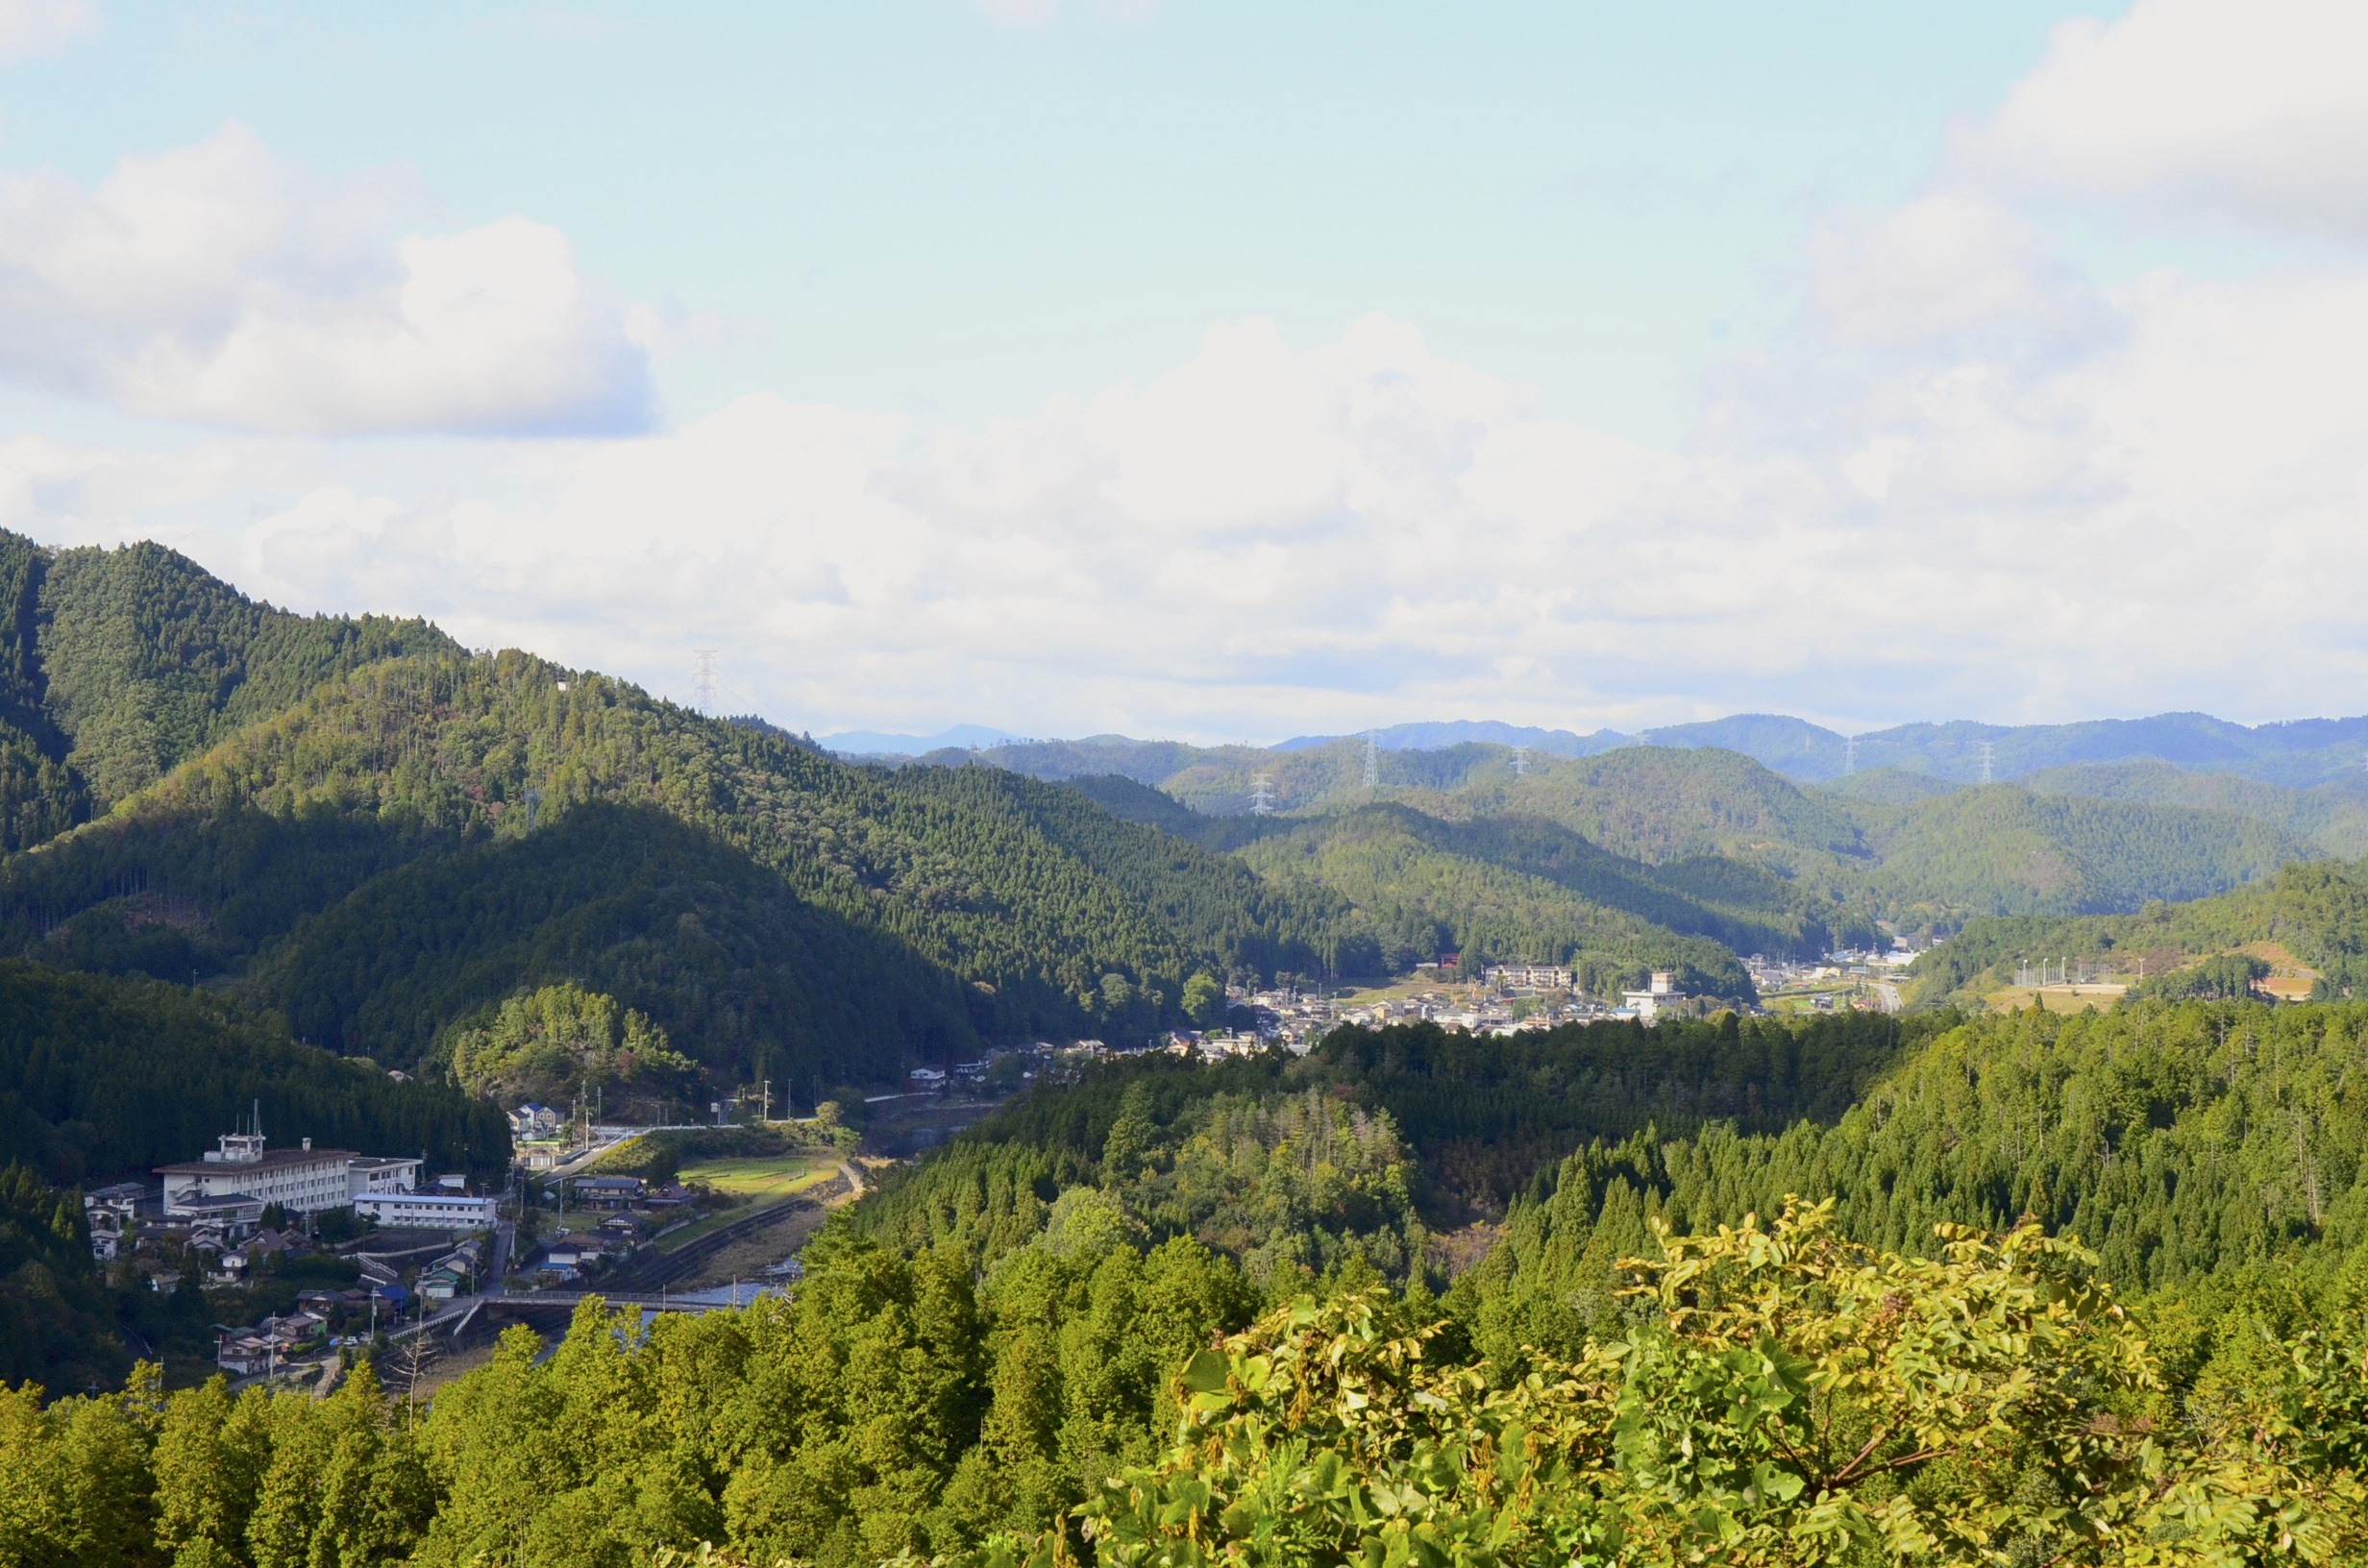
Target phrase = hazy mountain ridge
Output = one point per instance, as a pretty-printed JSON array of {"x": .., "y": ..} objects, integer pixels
[{"x": 2297, "y": 753}]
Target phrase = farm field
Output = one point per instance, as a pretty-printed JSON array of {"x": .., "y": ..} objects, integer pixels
[{"x": 756, "y": 1182}]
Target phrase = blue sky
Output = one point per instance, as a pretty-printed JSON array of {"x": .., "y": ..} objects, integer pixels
[
  {"x": 1210, "y": 370},
  {"x": 919, "y": 207}
]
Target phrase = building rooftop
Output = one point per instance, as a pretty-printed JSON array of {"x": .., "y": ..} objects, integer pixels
[{"x": 268, "y": 1159}]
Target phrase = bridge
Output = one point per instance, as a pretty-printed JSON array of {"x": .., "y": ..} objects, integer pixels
[{"x": 563, "y": 1302}]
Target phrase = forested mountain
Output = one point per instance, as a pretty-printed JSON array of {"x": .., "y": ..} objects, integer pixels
[
  {"x": 1922, "y": 855},
  {"x": 116, "y": 665},
  {"x": 2332, "y": 817},
  {"x": 2001, "y": 851},
  {"x": 1517, "y": 888},
  {"x": 415, "y": 839},
  {"x": 1423, "y": 891}
]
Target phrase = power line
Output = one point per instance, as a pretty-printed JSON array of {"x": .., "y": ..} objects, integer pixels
[
  {"x": 1520, "y": 762},
  {"x": 1850, "y": 754},
  {"x": 1989, "y": 762},
  {"x": 703, "y": 660},
  {"x": 1372, "y": 759},
  {"x": 1262, "y": 793}
]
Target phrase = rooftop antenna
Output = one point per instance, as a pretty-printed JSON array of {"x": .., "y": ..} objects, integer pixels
[
  {"x": 1850, "y": 754},
  {"x": 704, "y": 659},
  {"x": 1262, "y": 793},
  {"x": 1520, "y": 762},
  {"x": 1989, "y": 762},
  {"x": 1372, "y": 759}
]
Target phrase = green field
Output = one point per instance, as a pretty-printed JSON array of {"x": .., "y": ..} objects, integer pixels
[{"x": 758, "y": 1182}]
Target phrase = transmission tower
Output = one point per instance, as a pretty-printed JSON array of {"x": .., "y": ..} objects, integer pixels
[
  {"x": 1850, "y": 754},
  {"x": 1262, "y": 793},
  {"x": 1989, "y": 762},
  {"x": 705, "y": 662},
  {"x": 1520, "y": 762},
  {"x": 1372, "y": 759}
]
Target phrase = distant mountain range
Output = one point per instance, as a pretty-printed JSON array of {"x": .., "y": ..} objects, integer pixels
[
  {"x": 2298, "y": 752},
  {"x": 875, "y": 743}
]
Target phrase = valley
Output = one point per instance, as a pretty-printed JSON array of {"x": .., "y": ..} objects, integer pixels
[{"x": 1110, "y": 1092}]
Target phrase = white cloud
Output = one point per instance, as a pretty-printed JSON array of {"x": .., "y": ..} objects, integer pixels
[
  {"x": 2197, "y": 106},
  {"x": 1967, "y": 480},
  {"x": 42, "y": 27},
  {"x": 217, "y": 283},
  {"x": 1270, "y": 538},
  {"x": 1942, "y": 266}
]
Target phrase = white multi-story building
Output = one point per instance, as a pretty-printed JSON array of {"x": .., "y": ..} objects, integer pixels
[
  {"x": 302, "y": 1180},
  {"x": 426, "y": 1210}
]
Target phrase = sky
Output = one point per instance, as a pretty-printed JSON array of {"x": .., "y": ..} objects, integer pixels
[{"x": 1227, "y": 372}]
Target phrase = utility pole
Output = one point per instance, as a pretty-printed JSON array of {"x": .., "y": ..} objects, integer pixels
[
  {"x": 1850, "y": 754},
  {"x": 1520, "y": 762},
  {"x": 1989, "y": 762},
  {"x": 704, "y": 658},
  {"x": 1372, "y": 759},
  {"x": 1262, "y": 795}
]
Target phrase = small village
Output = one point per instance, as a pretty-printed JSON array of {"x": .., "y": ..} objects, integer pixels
[{"x": 342, "y": 1251}]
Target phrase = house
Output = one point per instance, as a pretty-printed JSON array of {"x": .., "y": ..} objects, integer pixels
[
  {"x": 230, "y": 1216},
  {"x": 628, "y": 1227},
  {"x": 607, "y": 1191},
  {"x": 580, "y": 1252},
  {"x": 123, "y": 1199},
  {"x": 439, "y": 1285},
  {"x": 243, "y": 1354},
  {"x": 922, "y": 1080},
  {"x": 530, "y": 1122}
]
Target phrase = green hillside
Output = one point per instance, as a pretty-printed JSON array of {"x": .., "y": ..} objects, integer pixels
[
  {"x": 2332, "y": 817},
  {"x": 1186, "y": 1307},
  {"x": 364, "y": 861},
  {"x": 2317, "y": 911},
  {"x": 1418, "y": 898},
  {"x": 2001, "y": 850},
  {"x": 115, "y": 665}
]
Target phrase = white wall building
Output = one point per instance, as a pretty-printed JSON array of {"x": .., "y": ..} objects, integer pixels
[
  {"x": 302, "y": 1180},
  {"x": 426, "y": 1210}
]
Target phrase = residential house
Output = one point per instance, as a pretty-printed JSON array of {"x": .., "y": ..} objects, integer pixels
[
  {"x": 530, "y": 1122},
  {"x": 607, "y": 1191}
]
